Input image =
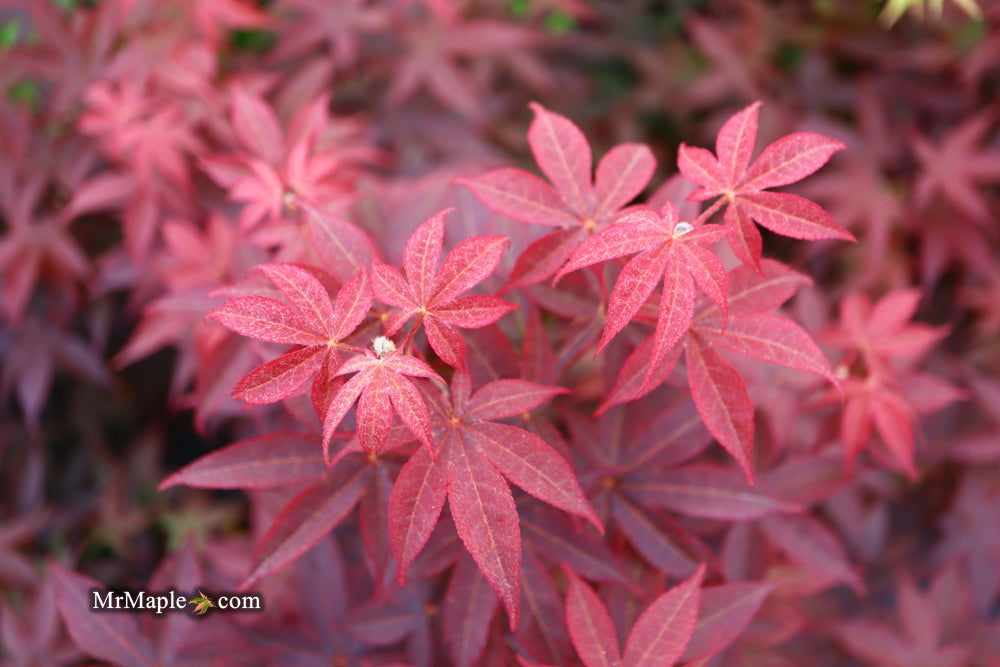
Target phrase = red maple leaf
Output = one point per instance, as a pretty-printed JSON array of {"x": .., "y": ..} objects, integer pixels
[
  {"x": 923, "y": 620},
  {"x": 474, "y": 456},
  {"x": 956, "y": 164},
  {"x": 576, "y": 203},
  {"x": 718, "y": 390},
  {"x": 745, "y": 187},
  {"x": 313, "y": 324},
  {"x": 437, "y": 49},
  {"x": 432, "y": 293},
  {"x": 380, "y": 382},
  {"x": 274, "y": 168},
  {"x": 635, "y": 473},
  {"x": 880, "y": 340},
  {"x": 669, "y": 250}
]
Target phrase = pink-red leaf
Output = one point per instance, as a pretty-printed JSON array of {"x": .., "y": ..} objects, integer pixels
[
  {"x": 521, "y": 196},
  {"x": 735, "y": 141},
  {"x": 532, "y": 464},
  {"x": 722, "y": 400},
  {"x": 256, "y": 463},
  {"x": 661, "y": 634},
  {"x": 303, "y": 291},
  {"x": 564, "y": 155},
  {"x": 305, "y": 521},
  {"x": 351, "y": 305},
  {"x": 414, "y": 507},
  {"x": 267, "y": 320},
  {"x": 725, "y": 612},
  {"x": 343, "y": 246},
  {"x": 422, "y": 253},
  {"x": 770, "y": 338},
  {"x": 590, "y": 625},
  {"x": 706, "y": 491},
  {"x": 791, "y": 215},
  {"x": 486, "y": 519},
  {"x": 621, "y": 175},
  {"x": 632, "y": 289},
  {"x": 508, "y": 398},
  {"x": 790, "y": 159},
  {"x": 468, "y": 264},
  {"x": 676, "y": 308},
  {"x": 256, "y": 126},
  {"x": 279, "y": 378},
  {"x": 634, "y": 379},
  {"x": 110, "y": 636},
  {"x": 469, "y": 607},
  {"x": 474, "y": 311}
]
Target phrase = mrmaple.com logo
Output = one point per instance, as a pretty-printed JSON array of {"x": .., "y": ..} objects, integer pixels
[{"x": 173, "y": 601}]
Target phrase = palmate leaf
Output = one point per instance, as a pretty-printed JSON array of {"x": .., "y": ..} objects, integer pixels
[
  {"x": 107, "y": 636},
  {"x": 718, "y": 390},
  {"x": 432, "y": 293},
  {"x": 307, "y": 519},
  {"x": 380, "y": 383},
  {"x": 474, "y": 457},
  {"x": 576, "y": 204},
  {"x": 746, "y": 188},
  {"x": 311, "y": 322},
  {"x": 882, "y": 336},
  {"x": 668, "y": 249}
]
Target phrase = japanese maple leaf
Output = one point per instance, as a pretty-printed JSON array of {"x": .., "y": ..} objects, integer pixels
[
  {"x": 341, "y": 26},
  {"x": 745, "y": 187},
  {"x": 34, "y": 245},
  {"x": 145, "y": 132},
  {"x": 658, "y": 637},
  {"x": 879, "y": 338},
  {"x": 475, "y": 454},
  {"x": 669, "y": 250},
  {"x": 280, "y": 171},
  {"x": 719, "y": 391},
  {"x": 432, "y": 292},
  {"x": 31, "y": 634},
  {"x": 15, "y": 569},
  {"x": 380, "y": 382},
  {"x": 434, "y": 53},
  {"x": 33, "y": 351},
  {"x": 971, "y": 535},
  {"x": 635, "y": 473},
  {"x": 313, "y": 324},
  {"x": 122, "y": 639},
  {"x": 325, "y": 497},
  {"x": 954, "y": 166},
  {"x": 923, "y": 621},
  {"x": 574, "y": 202}
]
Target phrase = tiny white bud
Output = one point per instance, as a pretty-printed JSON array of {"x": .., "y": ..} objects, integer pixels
[
  {"x": 682, "y": 228},
  {"x": 383, "y": 346}
]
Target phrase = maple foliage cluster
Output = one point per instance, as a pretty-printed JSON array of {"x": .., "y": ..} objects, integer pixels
[{"x": 501, "y": 332}]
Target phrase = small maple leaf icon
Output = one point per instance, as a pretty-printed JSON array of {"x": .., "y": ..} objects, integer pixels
[{"x": 202, "y": 603}]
